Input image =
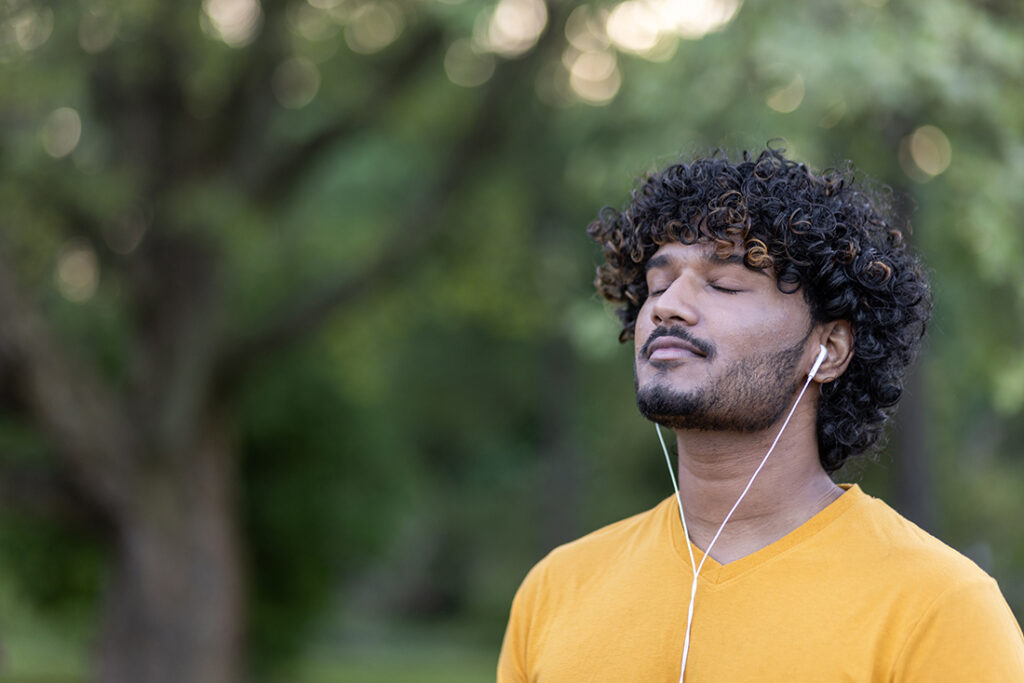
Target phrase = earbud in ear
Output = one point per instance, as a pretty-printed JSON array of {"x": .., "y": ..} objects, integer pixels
[{"x": 822, "y": 355}]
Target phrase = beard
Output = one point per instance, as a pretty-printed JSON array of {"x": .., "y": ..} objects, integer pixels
[{"x": 750, "y": 396}]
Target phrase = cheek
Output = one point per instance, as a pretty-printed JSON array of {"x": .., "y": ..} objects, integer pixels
[
  {"x": 642, "y": 328},
  {"x": 638, "y": 339},
  {"x": 771, "y": 325}
]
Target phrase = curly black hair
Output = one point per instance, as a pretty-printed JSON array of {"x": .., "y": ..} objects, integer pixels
[{"x": 817, "y": 233}]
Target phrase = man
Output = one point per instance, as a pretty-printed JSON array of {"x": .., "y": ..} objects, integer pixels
[{"x": 774, "y": 312}]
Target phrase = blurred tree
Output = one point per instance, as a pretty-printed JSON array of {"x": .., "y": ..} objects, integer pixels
[
  {"x": 183, "y": 159},
  {"x": 191, "y": 191}
]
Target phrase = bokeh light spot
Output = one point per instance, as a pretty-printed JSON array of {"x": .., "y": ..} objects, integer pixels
[
  {"x": 634, "y": 27},
  {"x": 833, "y": 115},
  {"x": 585, "y": 29},
  {"x": 515, "y": 26},
  {"x": 930, "y": 150},
  {"x": 96, "y": 32},
  {"x": 78, "y": 273},
  {"x": 695, "y": 19},
  {"x": 787, "y": 98},
  {"x": 651, "y": 28},
  {"x": 595, "y": 77},
  {"x": 311, "y": 23},
  {"x": 467, "y": 66},
  {"x": 373, "y": 27},
  {"x": 295, "y": 82},
  {"x": 235, "y": 22},
  {"x": 32, "y": 26},
  {"x": 61, "y": 132}
]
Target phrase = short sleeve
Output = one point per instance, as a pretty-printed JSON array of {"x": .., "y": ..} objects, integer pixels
[
  {"x": 968, "y": 634},
  {"x": 513, "y": 662},
  {"x": 511, "y": 665}
]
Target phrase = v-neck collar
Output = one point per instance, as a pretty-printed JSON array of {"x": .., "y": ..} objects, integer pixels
[{"x": 715, "y": 573}]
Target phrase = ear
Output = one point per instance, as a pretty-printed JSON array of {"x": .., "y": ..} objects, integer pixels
[{"x": 837, "y": 338}]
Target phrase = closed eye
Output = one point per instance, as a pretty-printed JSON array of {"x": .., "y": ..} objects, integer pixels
[
  {"x": 724, "y": 289},
  {"x": 656, "y": 286}
]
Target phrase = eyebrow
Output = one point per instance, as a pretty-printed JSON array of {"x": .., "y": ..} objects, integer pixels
[
  {"x": 656, "y": 262},
  {"x": 708, "y": 256}
]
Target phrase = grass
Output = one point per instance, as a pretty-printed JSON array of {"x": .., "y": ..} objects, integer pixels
[
  {"x": 34, "y": 649},
  {"x": 399, "y": 653},
  {"x": 397, "y": 662},
  {"x": 398, "y": 666}
]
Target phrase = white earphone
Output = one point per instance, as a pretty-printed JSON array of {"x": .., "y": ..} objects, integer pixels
[{"x": 822, "y": 355}]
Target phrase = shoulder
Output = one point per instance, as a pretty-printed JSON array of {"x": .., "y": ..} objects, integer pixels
[
  {"x": 588, "y": 566},
  {"x": 574, "y": 564},
  {"x": 955, "y": 622},
  {"x": 904, "y": 548},
  {"x": 966, "y": 632},
  {"x": 626, "y": 537}
]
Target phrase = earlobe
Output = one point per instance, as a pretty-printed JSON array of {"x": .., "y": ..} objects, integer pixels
[{"x": 837, "y": 339}]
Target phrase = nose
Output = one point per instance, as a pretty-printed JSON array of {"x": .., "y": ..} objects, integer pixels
[{"x": 676, "y": 305}]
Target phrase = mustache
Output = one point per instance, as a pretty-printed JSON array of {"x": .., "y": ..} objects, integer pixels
[{"x": 680, "y": 333}]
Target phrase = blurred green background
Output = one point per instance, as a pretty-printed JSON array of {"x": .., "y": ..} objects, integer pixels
[{"x": 300, "y": 364}]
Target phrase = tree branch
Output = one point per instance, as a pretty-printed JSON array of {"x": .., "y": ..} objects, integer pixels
[
  {"x": 43, "y": 492},
  {"x": 282, "y": 175},
  {"x": 47, "y": 194},
  {"x": 90, "y": 429},
  {"x": 305, "y": 312}
]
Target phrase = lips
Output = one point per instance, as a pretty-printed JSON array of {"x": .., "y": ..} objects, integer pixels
[{"x": 672, "y": 348}]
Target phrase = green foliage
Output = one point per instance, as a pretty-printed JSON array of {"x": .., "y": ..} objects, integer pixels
[
  {"x": 319, "y": 494},
  {"x": 58, "y": 568},
  {"x": 57, "y": 559}
]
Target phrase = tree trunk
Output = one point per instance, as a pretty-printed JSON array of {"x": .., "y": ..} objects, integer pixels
[
  {"x": 914, "y": 489},
  {"x": 562, "y": 487},
  {"x": 174, "y": 610}
]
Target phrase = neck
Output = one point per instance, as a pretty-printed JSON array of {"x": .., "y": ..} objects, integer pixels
[{"x": 714, "y": 468}]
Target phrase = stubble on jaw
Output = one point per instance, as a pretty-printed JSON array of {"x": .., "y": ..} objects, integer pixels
[{"x": 750, "y": 396}]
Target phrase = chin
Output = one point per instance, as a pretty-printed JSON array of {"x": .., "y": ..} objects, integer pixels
[{"x": 664, "y": 404}]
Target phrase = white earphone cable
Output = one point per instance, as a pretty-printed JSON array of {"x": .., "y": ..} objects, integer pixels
[{"x": 686, "y": 534}]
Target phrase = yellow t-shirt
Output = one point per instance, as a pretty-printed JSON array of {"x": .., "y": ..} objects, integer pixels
[{"x": 857, "y": 593}]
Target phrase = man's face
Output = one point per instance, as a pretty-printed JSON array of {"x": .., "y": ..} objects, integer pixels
[{"x": 718, "y": 346}]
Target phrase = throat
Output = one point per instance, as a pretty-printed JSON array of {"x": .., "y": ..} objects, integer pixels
[{"x": 761, "y": 524}]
